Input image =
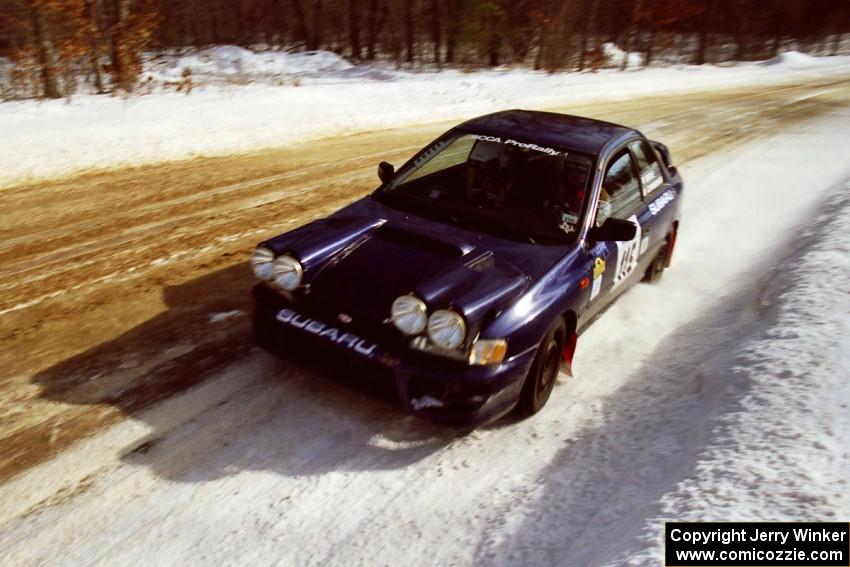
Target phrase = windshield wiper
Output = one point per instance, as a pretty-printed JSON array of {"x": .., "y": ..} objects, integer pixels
[
  {"x": 504, "y": 230},
  {"x": 417, "y": 206},
  {"x": 430, "y": 209}
]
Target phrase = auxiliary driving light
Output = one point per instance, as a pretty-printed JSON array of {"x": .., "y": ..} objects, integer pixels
[
  {"x": 409, "y": 314},
  {"x": 287, "y": 272},
  {"x": 261, "y": 262},
  {"x": 446, "y": 329}
]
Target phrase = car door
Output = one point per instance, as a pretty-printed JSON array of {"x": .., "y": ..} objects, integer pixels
[
  {"x": 656, "y": 217},
  {"x": 616, "y": 263}
]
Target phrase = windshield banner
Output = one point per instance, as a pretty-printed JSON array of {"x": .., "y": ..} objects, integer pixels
[{"x": 511, "y": 142}]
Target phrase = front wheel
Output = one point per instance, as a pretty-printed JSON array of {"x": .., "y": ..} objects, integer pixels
[{"x": 544, "y": 371}]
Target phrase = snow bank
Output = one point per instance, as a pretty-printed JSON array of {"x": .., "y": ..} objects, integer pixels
[
  {"x": 783, "y": 454},
  {"x": 793, "y": 60},
  {"x": 54, "y": 138},
  {"x": 615, "y": 57},
  {"x": 230, "y": 61}
]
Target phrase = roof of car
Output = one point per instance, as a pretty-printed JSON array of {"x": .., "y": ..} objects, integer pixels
[{"x": 549, "y": 128}]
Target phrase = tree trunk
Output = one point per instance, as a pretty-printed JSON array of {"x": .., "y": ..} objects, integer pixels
[
  {"x": 372, "y": 29},
  {"x": 650, "y": 47},
  {"x": 583, "y": 49},
  {"x": 354, "y": 29},
  {"x": 558, "y": 39},
  {"x": 120, "y": 66},
  {"x": 588, "y": 26},
  {"x": 631, "y": 30},
  {"x": 394, "y": 29},
  {"x": 776, "y": 44},
  {"x": 302, "y": 27},
  {"x": 94, "y": 46},
  {"x": 538, "y": 57},
  {"x": 493, "y": 40},
  {"x": 740, "y": 48},
  {"x": 836, "y": 44},
  {"x": 702, "y": 46},
  {"x": 493, "y": 47},
  {"x": 452, "y": 30},
  {"x": 408, "y": 29},
  {"x": 46, "y": 55},
  {"x": 436, "y": 29},
  {"x": 214, "y": 23},
  {"x": 316, "y": 30},
  {"x": 242, "y": 35}
]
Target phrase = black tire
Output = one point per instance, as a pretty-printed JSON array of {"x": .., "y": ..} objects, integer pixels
[
  {"x": 544, "y": 371},
  {"x": 656, "y": 268}
]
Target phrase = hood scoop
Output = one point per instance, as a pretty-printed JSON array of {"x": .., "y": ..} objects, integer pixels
[{"x": 418, "y": 241}]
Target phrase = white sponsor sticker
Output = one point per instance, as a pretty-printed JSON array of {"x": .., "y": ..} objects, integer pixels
[
  {"x": 568, "y": 222},
  {"x": 524, "y": 145},
  {"x": 594, "y": 289},
  {"x": 651, "y": 177},
  {"x": 627, "y": 255},
  {"x": 662, "y": 201},
  {"x": 644, "y": 244}
]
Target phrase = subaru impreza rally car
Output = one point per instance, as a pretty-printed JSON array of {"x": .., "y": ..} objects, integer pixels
[{"x": 468, "y": 275}]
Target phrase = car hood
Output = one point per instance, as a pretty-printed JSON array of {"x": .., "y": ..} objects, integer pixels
[{"x": 367, "y": 254}]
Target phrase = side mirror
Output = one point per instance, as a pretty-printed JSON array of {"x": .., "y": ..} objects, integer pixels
[
  {"x": 385, "y": 171},
  {"x": 614, "y": 230}
]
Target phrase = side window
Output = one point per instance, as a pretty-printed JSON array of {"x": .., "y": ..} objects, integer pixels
[
  {"x": 620, "y": 186},
  {"x": 650, "y": 171}
]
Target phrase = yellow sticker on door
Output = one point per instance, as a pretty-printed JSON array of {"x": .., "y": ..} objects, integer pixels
[
  {"x": 598, "y": 270},
  {"x": 598, "y": 267}
]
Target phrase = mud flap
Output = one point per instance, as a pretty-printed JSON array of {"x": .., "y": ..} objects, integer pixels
[
  {"x": 568, "y": 353},
  {"x": 670, "y": 245}
]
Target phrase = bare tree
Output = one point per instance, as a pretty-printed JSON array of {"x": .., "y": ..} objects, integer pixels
[
  {"x": 46, "y": 51},
  {"x": 354, "y": 29},
  {"x": 408, "y": 30},
  {"x": 53, "y": 43},
  {"x": 95, "y": 50},
  {"x": 436, "y": 29}
]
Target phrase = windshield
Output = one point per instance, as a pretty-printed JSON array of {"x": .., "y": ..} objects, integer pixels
[{"x": 497, "y": 185}]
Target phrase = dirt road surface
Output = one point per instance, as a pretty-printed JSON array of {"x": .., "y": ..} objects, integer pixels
[{"x": 122, "y": 289}]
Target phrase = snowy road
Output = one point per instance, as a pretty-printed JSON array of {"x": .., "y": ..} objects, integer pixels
[{"x": 265, "y": 463}]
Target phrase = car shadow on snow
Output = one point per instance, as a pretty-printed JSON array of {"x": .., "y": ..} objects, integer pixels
[
  {"x": 601, "y": 499},
  {"x": 239, "y": 407}
]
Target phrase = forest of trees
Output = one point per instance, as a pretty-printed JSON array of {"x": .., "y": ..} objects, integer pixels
[{"x": 50, "y": 46}]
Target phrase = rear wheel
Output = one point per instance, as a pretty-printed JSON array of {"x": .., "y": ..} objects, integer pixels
[
  {"x": 656, "y": 268},
  {"x": 544, "y": 371}
]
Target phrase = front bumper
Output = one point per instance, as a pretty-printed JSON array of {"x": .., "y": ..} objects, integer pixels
[{"x": 438, "y": 389}]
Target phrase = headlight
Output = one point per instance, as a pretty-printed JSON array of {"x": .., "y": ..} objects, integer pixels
[
  {"x": 490, "y": 351},
  {"x": 261, "y": 262},
  {"x": 446, "y": 329},
  {"x": 287, "y": 272},
  {"x": 409, "y": 314}
]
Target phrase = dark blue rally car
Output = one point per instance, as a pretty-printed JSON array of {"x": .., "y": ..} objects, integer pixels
[{"x": 467, "y": 276}]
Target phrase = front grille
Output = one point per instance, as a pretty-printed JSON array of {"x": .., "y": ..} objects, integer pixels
[
  {"x": 367, "y": 325},
  {"x": 340, "y": 366}
]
